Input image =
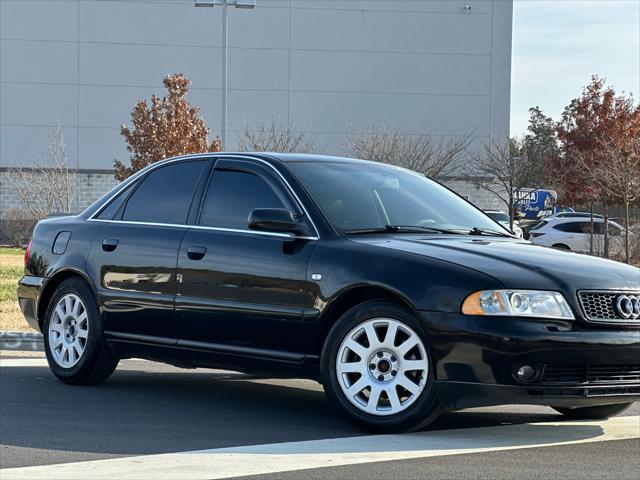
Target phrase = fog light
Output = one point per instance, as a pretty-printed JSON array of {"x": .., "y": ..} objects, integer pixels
[{"x": 526, "y": 373}]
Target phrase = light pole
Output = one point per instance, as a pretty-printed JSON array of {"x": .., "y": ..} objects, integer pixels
[{"x": 249, "y": 4}]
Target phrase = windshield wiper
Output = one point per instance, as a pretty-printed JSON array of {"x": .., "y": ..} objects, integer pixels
[
  {"x": 402, "y": 229},
  {"x": 485, "y": 231}
]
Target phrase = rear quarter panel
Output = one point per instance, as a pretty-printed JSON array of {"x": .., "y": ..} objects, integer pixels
[{"x": 44, "y": 263}]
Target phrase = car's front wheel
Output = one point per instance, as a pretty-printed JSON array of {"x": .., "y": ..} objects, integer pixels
[
  {"x": 599, "y": 412},
  {"x": 376, "y": 369},
  {"x": 76, "y": 349}
]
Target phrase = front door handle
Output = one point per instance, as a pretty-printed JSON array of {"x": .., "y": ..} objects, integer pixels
[
  {"x": 196, "y": 253},
  {"x": 109, "y": 244}
]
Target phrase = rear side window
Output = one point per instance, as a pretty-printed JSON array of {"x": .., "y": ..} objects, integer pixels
[
  {"x": 165, "y": 194},
  {"x": 109, "y": 212},
  {"x": 232, "y": 195}
]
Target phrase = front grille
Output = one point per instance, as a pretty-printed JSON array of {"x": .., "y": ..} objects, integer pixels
[
  {"x": 561, "y": 373},
  {"x": 566, "y": 373},
  {"x": 613, "y": 373},
  {"x": 618, "y": 390},
  {"x": 600, "y": 306}
]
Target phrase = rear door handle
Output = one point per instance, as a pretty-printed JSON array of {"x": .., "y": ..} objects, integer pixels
[
  {"x": 196, "y": 253},
  {"x": 109, "y": 244}
]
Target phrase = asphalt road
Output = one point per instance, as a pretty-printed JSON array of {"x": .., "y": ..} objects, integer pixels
[{"x": 152, "y": 409}]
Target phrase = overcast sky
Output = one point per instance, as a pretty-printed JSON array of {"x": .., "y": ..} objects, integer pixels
[{"x": 559, "y": 44}]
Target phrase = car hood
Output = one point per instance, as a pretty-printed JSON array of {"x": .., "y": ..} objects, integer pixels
[{"x": 516, "y": 263}]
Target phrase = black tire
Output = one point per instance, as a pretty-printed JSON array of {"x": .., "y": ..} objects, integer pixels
[
  {"x": 599, "y": 412},
  {"x": 423, "y": 411},
  {"x": 97, "y": 363},
  {"x": 561, "y": 246}
]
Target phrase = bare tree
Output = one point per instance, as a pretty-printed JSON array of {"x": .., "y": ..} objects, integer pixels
[
  {"x": 508, "y": 171},
  {"x": 49, "y": 186},
  {"x": 275, "y": 137},
  {"x": 421, "y": 153},
  {"x": 619, "y": 179},
  {"x": 17, "y": 226}
]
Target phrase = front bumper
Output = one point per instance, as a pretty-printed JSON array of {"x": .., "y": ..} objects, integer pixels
[
  {"x": 475, "y": 360},
  {"x": 29, "y": 290}
]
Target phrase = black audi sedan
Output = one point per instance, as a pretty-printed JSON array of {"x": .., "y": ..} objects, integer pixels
[{"x": 399, "y": 296}]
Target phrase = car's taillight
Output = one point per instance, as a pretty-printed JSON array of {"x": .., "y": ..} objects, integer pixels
[
  {"x": 27, "y": 254},
  {"x": 536, "y": 234}
]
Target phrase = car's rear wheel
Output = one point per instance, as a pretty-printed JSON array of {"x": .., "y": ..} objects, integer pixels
[
  {"x": 376, "y": 369},
  {"x": 76, "y": 349},
  {"x": 599, "y": 412},
  {"x": 561, "y": 246}
]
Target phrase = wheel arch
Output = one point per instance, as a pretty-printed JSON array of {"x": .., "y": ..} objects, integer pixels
[
  {"x": 356, "y": 295},
  {"x": 56, "y": 279}
]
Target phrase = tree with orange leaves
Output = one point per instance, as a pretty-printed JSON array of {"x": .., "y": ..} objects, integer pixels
[
  {"x": 591, "y": 126},
  {"x": 169, "y": 127}
]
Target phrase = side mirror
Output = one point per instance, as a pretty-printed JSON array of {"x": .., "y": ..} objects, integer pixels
[{"x": 277, "y": 220}]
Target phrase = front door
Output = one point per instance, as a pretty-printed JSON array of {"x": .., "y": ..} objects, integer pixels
[{"x": 242, "y": 290}]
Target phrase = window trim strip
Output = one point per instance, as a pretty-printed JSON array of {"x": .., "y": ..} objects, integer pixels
[
  {"x": 211, "y": 157},
  {"x": 289, "y": 236}
]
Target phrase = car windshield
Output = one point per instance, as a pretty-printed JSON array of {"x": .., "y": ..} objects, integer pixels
[
  {"x": 499, "y": 216},
  {"x": 356, "y": 196}
]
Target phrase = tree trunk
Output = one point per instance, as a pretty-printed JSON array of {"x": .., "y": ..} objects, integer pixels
[
  {"x": 591, "y": 232},
  {"x": 606, "y": 230},
  {"x": 511, "y": 213},
  {"x": 627, "y": 253}
]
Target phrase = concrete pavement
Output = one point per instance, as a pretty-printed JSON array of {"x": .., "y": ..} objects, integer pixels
[{"x": 148, "y": 410}]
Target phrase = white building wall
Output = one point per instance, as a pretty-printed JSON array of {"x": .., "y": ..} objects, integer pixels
[{"x": 327, "y": 66}]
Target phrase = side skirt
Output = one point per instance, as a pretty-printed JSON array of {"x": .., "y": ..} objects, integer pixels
[{"x": 192, "y": 354}]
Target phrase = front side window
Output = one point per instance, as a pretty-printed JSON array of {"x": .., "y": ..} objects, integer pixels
[
  {"x": 232, "y": 196},
  {"x": 357, "y": 196},
  {"x": 165, "y": 194}
]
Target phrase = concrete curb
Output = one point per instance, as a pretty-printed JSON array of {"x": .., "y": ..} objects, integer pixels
[{"x": 32, "y": 341}]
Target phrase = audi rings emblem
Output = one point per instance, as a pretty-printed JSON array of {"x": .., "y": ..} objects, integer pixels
[{"x": 628, "y": 306}]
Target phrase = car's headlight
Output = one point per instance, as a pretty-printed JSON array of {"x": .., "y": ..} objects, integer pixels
[{"x": 518, "y": 303}]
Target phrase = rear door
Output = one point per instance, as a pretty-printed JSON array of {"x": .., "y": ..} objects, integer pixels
[
  {"x": 573, "y": 235},
  {"x": 240, "y": 289},
  {"x": 135, "y": 254}
]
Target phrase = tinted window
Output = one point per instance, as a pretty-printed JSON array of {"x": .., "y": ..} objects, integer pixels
[
  {"x": 114, "y": 206},
  {"x": 232, "y": 195},
  {"x": 575, "y": 227},
  {"x": 572, "y": 227},
  {"x": 598, "y": 228},
  {"x": 165, "y": 194}
]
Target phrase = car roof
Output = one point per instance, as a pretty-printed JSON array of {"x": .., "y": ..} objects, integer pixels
[
  {"x": 312, "y": 158},
  {"x": 571, "y": 219},
  {"x": 274, "y": 156},
  {"x": 560, "y": 220}
]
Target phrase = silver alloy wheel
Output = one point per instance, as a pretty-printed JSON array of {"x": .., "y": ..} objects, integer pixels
[
  {"x": 68, "y": 331},
  {"x": 382, "y": 366}
]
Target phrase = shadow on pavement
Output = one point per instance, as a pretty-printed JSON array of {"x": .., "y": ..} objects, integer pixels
[{"x": 141, "y": 412}]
